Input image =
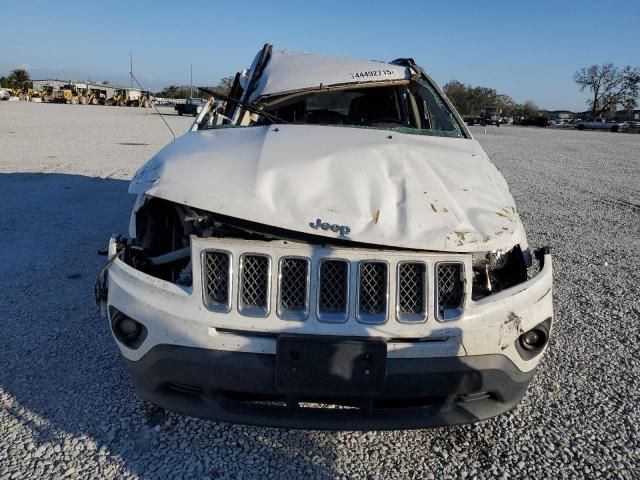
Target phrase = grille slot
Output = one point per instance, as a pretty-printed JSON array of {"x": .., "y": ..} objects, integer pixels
[
  {"x": 412, "y": 292},
  {"x": 255, "y": 276},
  {"x": 217, "y": 280},
  {"x": 372, "y": 292},
  {"x": 293, "y": 299},
  {"x": 450, "y": 290},
  {"x": 333, "y": 290}
]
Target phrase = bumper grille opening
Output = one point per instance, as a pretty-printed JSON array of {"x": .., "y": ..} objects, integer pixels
[
  {"x": 294, "y": 288},
  {"x": 372, "y": 301},
  {"x": 217, "y": 280},
  {"x": 450, "y": 290},
  {"x": 254, "y": 398},
  {"x": 333, "y": 291},
  {"x": 335, "y": 403},
  {"x": 255, "y": 273},
  {"x": 184, "y": 388},
  {"x": 412, "y": 292}
]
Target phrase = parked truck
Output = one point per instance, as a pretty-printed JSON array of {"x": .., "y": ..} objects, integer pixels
[
  {"x": 597, "y": 124},
  {"x": 488, "y": 116},
  {"x": 191, "y": 107}
]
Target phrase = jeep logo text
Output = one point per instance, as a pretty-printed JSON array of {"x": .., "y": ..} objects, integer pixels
[{"x": 319, "y": 224}]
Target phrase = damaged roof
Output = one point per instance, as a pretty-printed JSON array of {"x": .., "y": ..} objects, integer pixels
[{"x": 287, "y": 71}]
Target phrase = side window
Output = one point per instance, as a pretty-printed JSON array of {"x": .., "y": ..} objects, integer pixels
[{"x": 434, "y": 113}]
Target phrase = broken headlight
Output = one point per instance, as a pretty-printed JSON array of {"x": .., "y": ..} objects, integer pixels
[{"x": 498, "y": 269}]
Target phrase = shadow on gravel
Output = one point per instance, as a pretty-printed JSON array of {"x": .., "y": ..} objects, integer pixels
[{"x": 62, "y": 377}]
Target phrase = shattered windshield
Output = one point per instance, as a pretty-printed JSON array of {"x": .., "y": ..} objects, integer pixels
[{"x": 411, "y": 107}]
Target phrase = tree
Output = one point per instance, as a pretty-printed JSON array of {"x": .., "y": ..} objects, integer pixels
[
  {"x": 527, "y": 110},
  {"x": 19, "y": 77},
  {"x": 470, "y": 100},
  {"x": 609, "y": 86},
  {"x": 226, "y": 83}
]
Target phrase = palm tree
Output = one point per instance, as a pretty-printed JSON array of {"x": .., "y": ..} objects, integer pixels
[{"x": 19, "y": 77}]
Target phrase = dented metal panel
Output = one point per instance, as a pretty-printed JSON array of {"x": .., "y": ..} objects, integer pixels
[{"x": 383, "y": 188}]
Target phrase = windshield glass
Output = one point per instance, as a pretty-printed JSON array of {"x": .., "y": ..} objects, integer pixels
[{"x": 412, "y": 107}]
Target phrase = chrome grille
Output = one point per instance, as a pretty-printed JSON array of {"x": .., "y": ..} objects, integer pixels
[
  {"x": 372, "y": 287},
  {"x": 450, "y": 290},
  {"x": 333, "y": 291},
  {"x": 411, "y": 291},
  {"x": 217, "y": 281},
  {"x": 254, "y": 284},
  {"x": 294, "y": 287}
]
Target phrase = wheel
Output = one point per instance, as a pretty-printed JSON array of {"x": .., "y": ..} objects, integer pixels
[
  {"x": 74, "y": 100},
  {"x": 121, "y": 103},
  {"x": 146, "y": 104},
  {"x": 580, "y": 127},
  {"x": 615, "y": 128},
  {"x": 180, "y": 112},
  {"x": 94, "y": 101},
  {"x": 83, "y": 100}
]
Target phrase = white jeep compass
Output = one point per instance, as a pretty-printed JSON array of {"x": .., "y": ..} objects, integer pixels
[{"x": 328, "y": 247}]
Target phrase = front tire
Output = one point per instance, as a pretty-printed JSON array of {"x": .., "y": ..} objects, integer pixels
[
  {"x": 580, "y": 127},
  {"x": 615, "y": 128}
]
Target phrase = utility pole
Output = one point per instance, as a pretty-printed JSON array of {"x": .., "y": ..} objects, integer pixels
[
  {"x": 130, "y": 69},
  {"x": 191, "y": 81}
]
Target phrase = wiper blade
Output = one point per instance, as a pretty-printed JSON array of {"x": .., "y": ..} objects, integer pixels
[{"x": 269, "y": 116}]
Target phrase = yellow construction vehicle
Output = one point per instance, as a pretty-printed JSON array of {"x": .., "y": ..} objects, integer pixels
[
  {"x": 67, "y": 94},
  {"x": 119, "y": 98},
  {"x": 82, "y": 92},
  {"x": 64, "y": 95},
  {"x": 34, "y": 95},
  {"x": 97, "y": 96},
  {"x": 46, "y": 93},
  {"x": 23, "y": 93},
  {"x": 72, "y": 93},
  {"x": 146, "y": 99},
  {"x": 124, "y": 97}
]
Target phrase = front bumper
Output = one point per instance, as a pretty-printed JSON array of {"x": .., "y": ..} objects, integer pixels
[
  {"x": 417, "y": 392},
  {"x": 221, "y": 365}
]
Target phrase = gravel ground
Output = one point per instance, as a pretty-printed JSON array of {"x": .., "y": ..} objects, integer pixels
[{"x": 67, "y": 407}]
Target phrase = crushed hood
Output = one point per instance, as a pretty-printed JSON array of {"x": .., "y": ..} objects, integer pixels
[{"x": 389, "y": 189}]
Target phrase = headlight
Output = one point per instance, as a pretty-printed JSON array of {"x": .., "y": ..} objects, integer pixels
[
  {"x": 498, "y": 269},
  {"x": 493, "y": 260}
]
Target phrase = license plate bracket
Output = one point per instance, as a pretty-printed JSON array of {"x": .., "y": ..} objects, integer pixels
[{"x": 330, "y": 366}]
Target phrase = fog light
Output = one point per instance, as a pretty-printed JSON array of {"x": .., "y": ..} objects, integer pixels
[
  {"x": 533, "y": 339},
  {"x": 128, "y": 327}
]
